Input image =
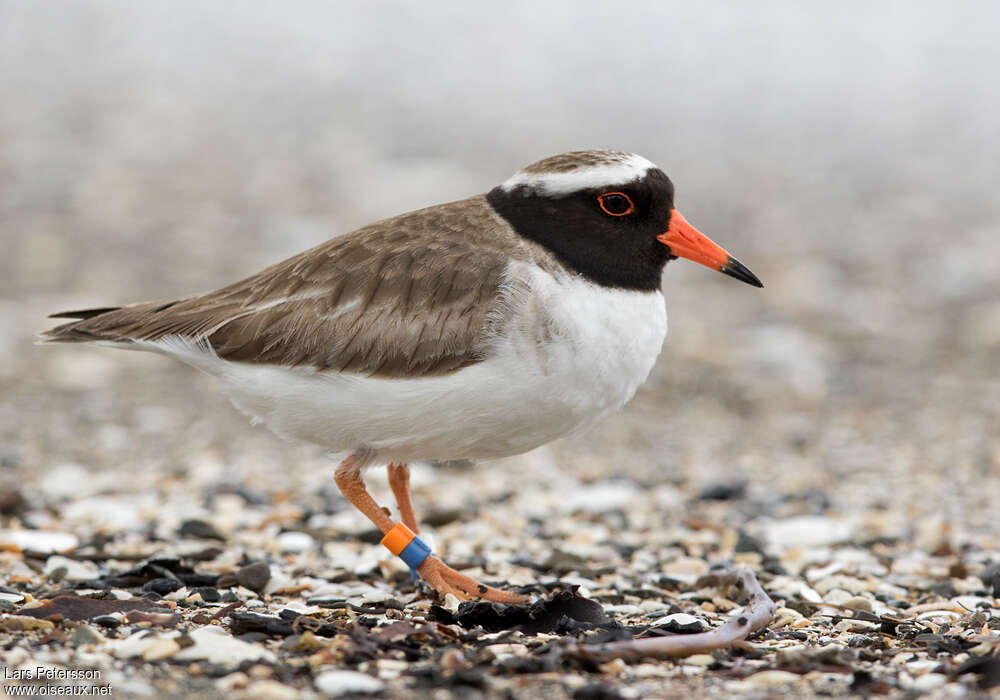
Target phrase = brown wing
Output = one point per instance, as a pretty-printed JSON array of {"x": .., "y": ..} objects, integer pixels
[{"x": 408, "y": 296}]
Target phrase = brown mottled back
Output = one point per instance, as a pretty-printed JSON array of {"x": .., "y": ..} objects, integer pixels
[{"x": 408, "y": 296}]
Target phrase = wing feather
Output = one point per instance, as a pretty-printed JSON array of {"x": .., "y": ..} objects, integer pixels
[{"x": 410, "y": 296}]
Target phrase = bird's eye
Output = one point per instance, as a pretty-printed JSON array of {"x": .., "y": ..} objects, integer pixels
[{"x": 615, "y": 203}]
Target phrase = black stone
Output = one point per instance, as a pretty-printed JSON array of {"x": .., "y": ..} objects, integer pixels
[
  {"x": 162, "y": 586},
  {"x": 596, "y": 691},
  {"x": 990, "y": 576},
  {"x": 540, "y": 616},
  {"x": 724, "y": 491},
  {"x": 255, "y": 576},
  {"x": 200, "y": 529},
  {"x": 676, "y": 627},
  {"x": 943, "y": 589},
  {"x": 208, "y": 594},
  {"x": 746, "y": 543}
]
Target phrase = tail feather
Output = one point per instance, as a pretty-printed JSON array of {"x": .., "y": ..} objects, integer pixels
[
  {"x": 107, "y": 323},
  {"x": 84, "y": 313}
]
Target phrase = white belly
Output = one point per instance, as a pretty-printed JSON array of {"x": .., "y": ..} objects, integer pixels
[{"x": 572, "y": 353}]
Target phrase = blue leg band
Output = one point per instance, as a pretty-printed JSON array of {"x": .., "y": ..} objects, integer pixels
[{"x": 414, "y": 554}]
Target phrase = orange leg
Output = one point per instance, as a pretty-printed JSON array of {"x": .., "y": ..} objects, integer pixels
[
  {"x": 399, "y": 482},
  {"x": 350, "y": 483},
  {"x": 439, "y": 575}
]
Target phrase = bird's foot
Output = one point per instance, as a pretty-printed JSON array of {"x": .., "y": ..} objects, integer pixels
[{"x": 444, "y": 579}]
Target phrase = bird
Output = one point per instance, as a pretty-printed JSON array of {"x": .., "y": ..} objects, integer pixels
[{"x": 472, "y": 330}]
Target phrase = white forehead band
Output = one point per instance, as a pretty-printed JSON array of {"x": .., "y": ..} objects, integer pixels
[{"x": 627, "y": 169}]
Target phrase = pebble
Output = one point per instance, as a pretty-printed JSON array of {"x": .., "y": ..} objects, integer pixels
[
  {"x": 939, "y": 616},
  {"x": 200, "y": 529},
  {"x": 182, "y": 593},
  {"x": 928, "y": 682},
  {"x": 280, "y": 581},
  {"x": 295, "y": 542},
  {"x": 60, "y": 568},
  {"x": 389, "y": 669},
  {"x": 856, "y": 626},
  {"x": 254, "y": 576},
  {"x": 687, "y": 569},
  {"x": 207, "y": 594},
  {"x": 215, "y": 645},
  {"x": 681, "y": 623},
  {"x": 39, "y": 540},
  {"x": 232, "y": 682},
  {"x": 162, "y": 586},
  {"x": 133, "y": 645},
  {"x": 891, "y": 590},
  {"x": 85, "y": 634},
  {"x": 500, "y": 652},
  {"x": 848, "y": 583},
  {"x": 858, "y": 603},
  {"x": 270, "y": 690},
  {"x": 107, "y": 621},
  {"x": 773, "y": 678},
  {"x": 453, "y": 660},
  {"x": 700, "y": 660},
  {"x": 805, "y": 531},
  {"x": 829, "y": 570},
  {"x": 971, "y": 602},
  {"x": 809, "y": 594},
  {"x": 615, "y": 667},
  {"x": 336, "y": 684},
  {"x": 305, "y": 642},
  {"x": 161, "y": 649},
  {"x": 837, "y": 596},
  {"x": 622, "y": 610},
  {"x": 18, "y": 623}
]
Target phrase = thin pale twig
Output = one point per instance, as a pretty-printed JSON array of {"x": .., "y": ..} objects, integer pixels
[{"x": 754, "y": 616}]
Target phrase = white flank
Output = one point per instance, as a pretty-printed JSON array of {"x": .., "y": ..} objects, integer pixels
[
  {"x": 572, "y": 353},
  {"x": 629, "y": 168}
]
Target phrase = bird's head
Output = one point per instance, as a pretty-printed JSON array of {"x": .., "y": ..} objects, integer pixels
[{"x": 608, "y": 215}]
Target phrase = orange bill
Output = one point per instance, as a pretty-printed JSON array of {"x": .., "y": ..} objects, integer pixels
[{"x": 685, "y": 241}]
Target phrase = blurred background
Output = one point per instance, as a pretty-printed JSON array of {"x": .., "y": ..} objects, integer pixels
[{"x": 847, "y": 153}]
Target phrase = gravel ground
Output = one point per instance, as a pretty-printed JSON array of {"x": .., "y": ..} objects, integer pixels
[{"x": 837, "y": 432}]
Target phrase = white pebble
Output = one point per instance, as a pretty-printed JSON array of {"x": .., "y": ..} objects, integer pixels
[
  {"x": 929, "y": 681},
  {"x": 39, "y": 540},
  {"x": 161, "y": 649},
  {"x": 215, "y": 645},
  {"x": 295, "y": 542},
  {"x": 70, "y": 569},
  {"x": 337, "y": 683},
  {"x": 805, "y": 531},
  {"x": 271, "y": 690},
  {"x": 682, "y": 620},
  {"x": 771, "y": 679}
]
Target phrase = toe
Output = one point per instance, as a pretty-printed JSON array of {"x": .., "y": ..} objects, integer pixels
[
  {"x": 475, "y": 589},
  {"x": 445, "y": 579}
]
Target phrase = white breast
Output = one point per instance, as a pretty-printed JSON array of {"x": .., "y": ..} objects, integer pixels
[{"x": 570, "y": 352}]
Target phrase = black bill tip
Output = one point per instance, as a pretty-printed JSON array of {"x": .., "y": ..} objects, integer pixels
[{"x": 734, "y": 268}]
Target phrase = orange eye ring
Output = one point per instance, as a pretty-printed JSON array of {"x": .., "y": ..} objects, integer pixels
[{"x": 610, "y": 207}]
